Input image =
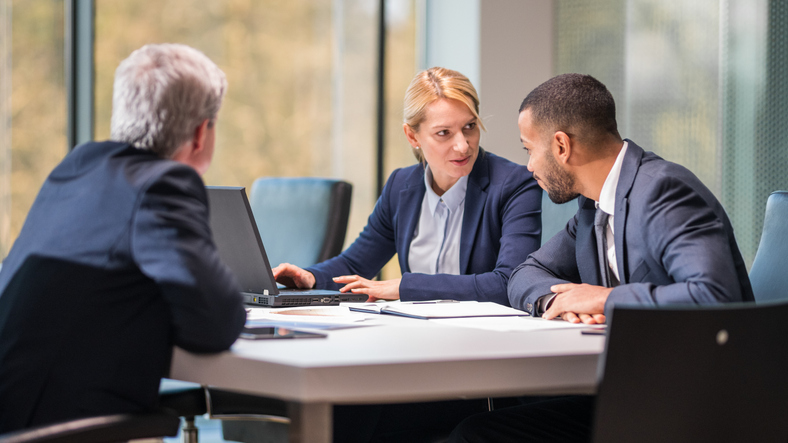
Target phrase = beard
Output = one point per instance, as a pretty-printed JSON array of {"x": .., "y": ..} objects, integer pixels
[{"x": 559, "y": 184}]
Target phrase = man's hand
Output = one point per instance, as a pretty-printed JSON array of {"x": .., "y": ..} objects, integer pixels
[
  {"x": 578, "y": 303},
  {"x": 293, "y": 277},
  {"x": 376, "y": 290}
]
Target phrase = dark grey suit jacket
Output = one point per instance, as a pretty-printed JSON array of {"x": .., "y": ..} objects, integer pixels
[
  {"x": 115, "y": 264},
  {"x": 674, "y": 243}
]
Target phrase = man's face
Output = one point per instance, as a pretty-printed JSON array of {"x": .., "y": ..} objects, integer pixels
[{"x": 557, "y": 182}]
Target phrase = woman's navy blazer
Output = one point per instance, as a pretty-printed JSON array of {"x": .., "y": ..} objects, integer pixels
[{"x": 501, "y": 226}]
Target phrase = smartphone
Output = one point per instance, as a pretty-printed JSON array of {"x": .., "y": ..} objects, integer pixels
[{"x": 269, "y": 332}]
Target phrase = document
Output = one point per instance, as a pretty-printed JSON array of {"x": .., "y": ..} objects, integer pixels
[
  {"x": 372, "y": 308},
  {"x": 515, "y": 324},
  {"x": 326, "y": 317},
  {"x": 450, "y": 309}
]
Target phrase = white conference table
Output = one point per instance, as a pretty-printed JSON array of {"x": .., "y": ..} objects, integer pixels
[{"x": 397, "y": 360}]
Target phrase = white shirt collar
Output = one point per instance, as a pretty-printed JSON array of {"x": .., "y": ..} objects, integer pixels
[
  {"x": 452, "y": 198},
  {"x": 607, "y": 197}
]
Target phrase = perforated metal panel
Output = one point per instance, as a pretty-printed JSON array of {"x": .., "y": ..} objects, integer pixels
[
  {"x": 589, "y": 40},
  {"x": 755, "y": 111},
  {"x": 701, "y": 83}
]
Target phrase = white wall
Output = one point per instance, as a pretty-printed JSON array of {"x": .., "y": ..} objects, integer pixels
[
  {"x": 451, "y": 36},
  {"x": 505, "y": 47},
  {"x": 516, "y": 55}
]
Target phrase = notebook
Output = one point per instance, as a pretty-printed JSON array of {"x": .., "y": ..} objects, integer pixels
[
  {"x": 241, "y": 248},
  {"x": 437, "y": 309}
]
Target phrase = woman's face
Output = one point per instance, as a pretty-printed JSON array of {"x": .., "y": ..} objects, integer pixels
[{"x": 449, "y": 139}]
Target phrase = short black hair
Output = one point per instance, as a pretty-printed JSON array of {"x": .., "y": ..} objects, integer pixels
[{"x": 577, "y": 104}]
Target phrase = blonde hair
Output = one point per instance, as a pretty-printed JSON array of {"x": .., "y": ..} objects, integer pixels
[{"x": 433, "y": 84}]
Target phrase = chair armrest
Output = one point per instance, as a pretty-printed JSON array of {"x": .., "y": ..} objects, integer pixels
[
  {"x": 102, "y": 429},
  {"x": 228, "y": 403},
  {"x": 184, "y": 399}
]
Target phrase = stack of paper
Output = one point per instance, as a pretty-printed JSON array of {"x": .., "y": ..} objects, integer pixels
[
  {"x": 440, "y": 309},
  {"x": 329, "y": 317}
]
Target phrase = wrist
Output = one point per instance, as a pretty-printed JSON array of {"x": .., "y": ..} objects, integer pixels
[{"x": 309, "y": 279}]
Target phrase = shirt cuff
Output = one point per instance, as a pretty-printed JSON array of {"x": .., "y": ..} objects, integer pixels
[{"x": 544, "y": 303}]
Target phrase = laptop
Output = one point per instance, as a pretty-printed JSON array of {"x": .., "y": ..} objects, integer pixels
[{"x": 241, "y": 248}]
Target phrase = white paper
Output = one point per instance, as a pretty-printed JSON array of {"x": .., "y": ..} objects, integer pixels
[
  {"x": 451, "y": 309},
  {"x": 335, "y": 315},
  {"x": 505, "y": 324}
]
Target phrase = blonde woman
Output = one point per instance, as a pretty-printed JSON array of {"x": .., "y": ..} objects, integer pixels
[{"x": 460, "y": 220}]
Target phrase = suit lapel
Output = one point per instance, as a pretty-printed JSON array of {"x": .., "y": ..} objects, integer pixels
[
  {"x": 475, "y": 197},
  {"x": 409, "y": 210},
  {"x": 629, "y": 170}
]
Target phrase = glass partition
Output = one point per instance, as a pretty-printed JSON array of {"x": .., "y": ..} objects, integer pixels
[
  {"x": 700, "y": 83},
  {"x": 302, "y": 82},
  {"x": 32, "y": 106}
]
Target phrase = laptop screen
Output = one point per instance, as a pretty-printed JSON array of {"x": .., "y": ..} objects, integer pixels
[{"x": 237, "y": 239}]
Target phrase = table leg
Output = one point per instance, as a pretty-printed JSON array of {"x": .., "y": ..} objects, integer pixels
[{"x": 310, "y": 422}]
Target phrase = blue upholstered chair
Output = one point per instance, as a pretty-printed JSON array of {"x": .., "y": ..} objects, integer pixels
[
  {"x": 768, "y": 273},
  {"x": 692, "y": 374},
  {"x": 302, "y": 220}
]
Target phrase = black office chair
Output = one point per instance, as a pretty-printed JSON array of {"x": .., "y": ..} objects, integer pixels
[
  {"x": 768, "y": 274},
  {"x": 103, "y": 429},
  {"x": 43, "y": 305},
  {"x": 185, "y": 400},
  {"x": 695, "y": 374}
]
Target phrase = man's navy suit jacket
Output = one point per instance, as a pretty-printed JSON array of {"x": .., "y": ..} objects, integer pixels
[
  {"x": 674, "y": 243},
  {"x": 501, "y": 226},
  {"x": 148, "y": 276}
]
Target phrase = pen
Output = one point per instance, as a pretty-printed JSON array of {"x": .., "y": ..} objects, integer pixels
[{"x": 432, "y": 302}]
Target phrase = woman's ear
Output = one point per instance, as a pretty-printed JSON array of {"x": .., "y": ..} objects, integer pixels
[{"x": 410, "y": 134}]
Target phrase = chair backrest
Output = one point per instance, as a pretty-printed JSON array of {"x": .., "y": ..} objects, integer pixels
[
  {"x": 62, "y": 356},
  {"x": 695, "y": 374},
  {"x": 768, "y": 275},
  {"x": 301, "y": 220}
]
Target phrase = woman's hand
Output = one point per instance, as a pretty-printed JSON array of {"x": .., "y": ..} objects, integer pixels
[
  {"x": 375, "y": 290},
  {"x": 293, "y": 277}
]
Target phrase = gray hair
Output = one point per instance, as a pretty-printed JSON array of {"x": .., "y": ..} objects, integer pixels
[{"x": 162, "y": 93}]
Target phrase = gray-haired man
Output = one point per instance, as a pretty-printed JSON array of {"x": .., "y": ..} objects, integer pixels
[{"x": 131, "y": 216}]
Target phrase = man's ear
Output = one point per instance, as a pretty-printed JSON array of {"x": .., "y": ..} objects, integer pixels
[
  {"x": 191, "y": 149},
  {"x": 198, "y": 140},
  {"x": 410, "y": 135},
  {"x": 562, "y": 147}
]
